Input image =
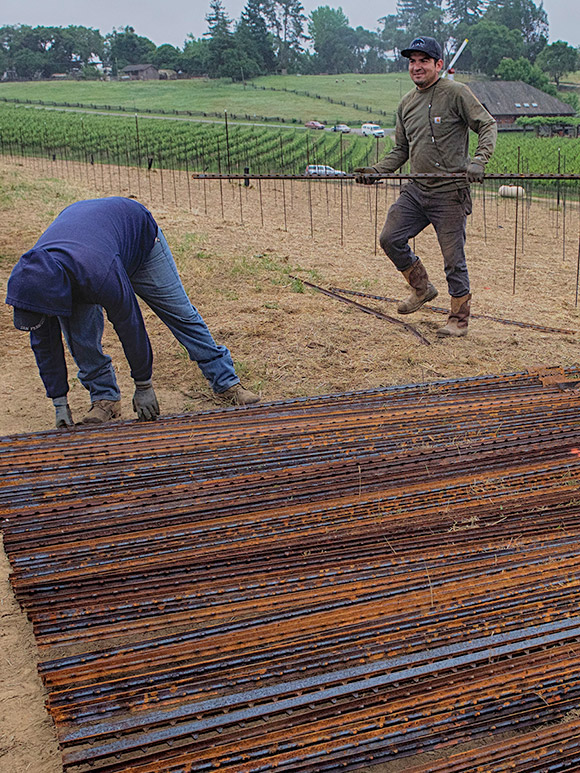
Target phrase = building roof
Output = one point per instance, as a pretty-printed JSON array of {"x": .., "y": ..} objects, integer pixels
[
  {"x": 137, "y": 67},
  {"x": 507, "y": 98}
]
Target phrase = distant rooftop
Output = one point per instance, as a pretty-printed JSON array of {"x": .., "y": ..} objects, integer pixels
[{"x": 513, "y": 98}]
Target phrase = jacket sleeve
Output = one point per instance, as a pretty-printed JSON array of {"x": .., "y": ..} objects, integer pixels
[
  {"x": 399, "y": 154},
  {"x": 118, "y": 299},
  {"x": 48, "y": 350},
  {"x": 481, "y": 122}
]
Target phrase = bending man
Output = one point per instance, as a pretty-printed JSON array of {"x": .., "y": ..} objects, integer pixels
[
  {"x": 100, "y": 254},
  {"x": 432, "y": 131}
]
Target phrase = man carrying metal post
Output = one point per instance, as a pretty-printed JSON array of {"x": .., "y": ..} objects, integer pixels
[
  {"x": 101, "y": 254},
  {"x": 432, "y": 131}
]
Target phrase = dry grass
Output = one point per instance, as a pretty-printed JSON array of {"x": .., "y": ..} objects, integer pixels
[{"x": 290, "y": 341}]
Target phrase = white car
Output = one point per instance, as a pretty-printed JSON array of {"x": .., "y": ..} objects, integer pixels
[
  {"x": 372, "y": 130},
  {"x": 321, "y": 170}
]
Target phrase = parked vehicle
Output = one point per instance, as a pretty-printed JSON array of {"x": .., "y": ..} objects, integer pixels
[
  {"x": 321, "y": 170},
  {"x": 341, "y": 127},
  {"x": 372, "y": 130},
  {"x": 314, "y": 125}
]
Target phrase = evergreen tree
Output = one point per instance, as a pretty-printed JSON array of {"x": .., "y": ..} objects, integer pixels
[
  {"x": 522, "y": 15},
  {"x": 256, "y": 33},
  {"x": 465, "y": 11},
  {"x": 285, "y": 19},
  {"x": 220, "y": 41}
]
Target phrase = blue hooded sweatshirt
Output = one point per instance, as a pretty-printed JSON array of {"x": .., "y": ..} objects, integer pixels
[{"x": 87, "y": 255}]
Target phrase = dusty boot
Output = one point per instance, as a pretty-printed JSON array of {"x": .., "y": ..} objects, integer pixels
[
  {"x": 458, "y": 317},
  {"x": 422, "y": 289},
  {"x": 238, "y": 395},
  {"x": 102, "y": 411}
]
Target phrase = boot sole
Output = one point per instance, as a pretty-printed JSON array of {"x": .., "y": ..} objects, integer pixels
[{"x": 425, "y": 300}]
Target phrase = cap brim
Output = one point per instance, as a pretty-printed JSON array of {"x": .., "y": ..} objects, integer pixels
[{"x": 28, "y": 320}]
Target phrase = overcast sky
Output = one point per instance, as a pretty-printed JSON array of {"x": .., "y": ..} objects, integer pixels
[{"x": 170, "y": 21}]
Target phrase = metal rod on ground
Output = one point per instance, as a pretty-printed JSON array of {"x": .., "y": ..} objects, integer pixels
[
  {"x": 442, "y": 310},
  {"x": 366, "y": 309}
]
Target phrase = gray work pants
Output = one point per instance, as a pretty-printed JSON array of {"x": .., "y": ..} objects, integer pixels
[{"x": 413, "y": 211}]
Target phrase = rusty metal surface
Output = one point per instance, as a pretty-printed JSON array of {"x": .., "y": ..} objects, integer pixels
[{"x": 310, "y": 585}]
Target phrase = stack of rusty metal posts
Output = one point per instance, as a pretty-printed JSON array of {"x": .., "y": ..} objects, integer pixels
[{"x": 317, "y": 584}]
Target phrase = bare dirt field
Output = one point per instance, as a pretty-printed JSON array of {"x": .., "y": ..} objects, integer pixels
[{"x": 237, "y": 249}]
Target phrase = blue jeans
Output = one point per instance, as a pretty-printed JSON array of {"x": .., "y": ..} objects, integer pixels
[
  {"x": 83, "y": 332},
  {"x": 157, "y": 282}
]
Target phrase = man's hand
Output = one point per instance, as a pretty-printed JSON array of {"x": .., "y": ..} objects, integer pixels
[
  {"x": 63, "y": 418},
  {"x": 363, "y": 173},
  {"x": 474, "y": 172},
  {"x": 145, "y": 402}
]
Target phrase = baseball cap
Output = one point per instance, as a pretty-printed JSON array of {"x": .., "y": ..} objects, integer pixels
[
  {"x": 427, "y": 46},
  {"x": 28, "y": 320}
]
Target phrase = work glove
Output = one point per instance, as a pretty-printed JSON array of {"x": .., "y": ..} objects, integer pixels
[
  {"x": 474, "y": 172},
  {"x": 363, "y": 173},
  {"x": 145, "y": 402},
  {"x": 63, "y": 415}
]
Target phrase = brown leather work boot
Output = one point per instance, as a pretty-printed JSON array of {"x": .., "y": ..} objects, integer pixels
[
  {"x": 421, "y": 288},
  {"x": 238, "y": 395},
  {"x": 458, "y": 317},
  {"x": 102, "y": 411}
]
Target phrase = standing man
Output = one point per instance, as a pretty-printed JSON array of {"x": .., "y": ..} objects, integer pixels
[
  {"x": 100, "y": 254},
  {"x": 432, "y": 131}
]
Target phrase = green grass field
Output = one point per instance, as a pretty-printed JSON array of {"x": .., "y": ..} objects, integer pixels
[
  {"x": 267, "y": 98},
  {"x": 293, "y": 98}
]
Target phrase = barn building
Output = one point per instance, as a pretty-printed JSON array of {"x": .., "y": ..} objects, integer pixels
[
  {"x": 508, "y": 100},
  {"x": 141, "y": 72}
]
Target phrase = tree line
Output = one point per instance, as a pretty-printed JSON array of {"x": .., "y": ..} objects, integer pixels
[{"x": 507, "y": 38}]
